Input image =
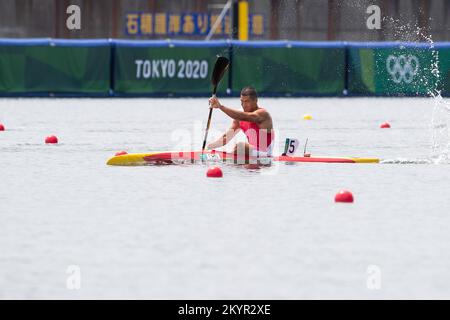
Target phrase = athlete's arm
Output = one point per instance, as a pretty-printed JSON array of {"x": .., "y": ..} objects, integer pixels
[
  {"x": 257, "y": 116},
  {"x": 226, "y": 137}
]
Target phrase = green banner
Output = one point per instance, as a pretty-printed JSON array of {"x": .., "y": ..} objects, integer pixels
[
  {"x": 398, "y": 71},
  {"x": 289, "y": 70},
  {"x": 184, "y": 70},
  {"x": 54, "y": 69}
]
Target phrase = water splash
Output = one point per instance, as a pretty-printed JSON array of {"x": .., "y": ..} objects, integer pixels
[
  {"x": 440, "y": 126},
  {"x": 440, "y": 120},
  {"x": 406, "y": 161}
]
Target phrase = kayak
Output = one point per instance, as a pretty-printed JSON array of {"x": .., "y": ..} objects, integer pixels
[{"x": 176, "y": 157}]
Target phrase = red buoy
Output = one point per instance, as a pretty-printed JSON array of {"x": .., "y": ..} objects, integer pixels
[
  {"x": 2, "y": 127},
  {"x": 51, "y": 139},
  {"x": 120, "y": 153},
  {"x": 343, "y": 196},
  {"x": 214, "y": 172},
  {"x": 385, "y": 125}
]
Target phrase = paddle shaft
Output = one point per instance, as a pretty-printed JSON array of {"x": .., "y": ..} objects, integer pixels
[
  {"x": 209, "y": 121},
  {"x": 219, "y": 69},
  {"x": 207, "y": 129}
]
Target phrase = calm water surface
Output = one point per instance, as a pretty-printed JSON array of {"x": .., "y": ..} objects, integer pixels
[{"x": 169, "y": 232}]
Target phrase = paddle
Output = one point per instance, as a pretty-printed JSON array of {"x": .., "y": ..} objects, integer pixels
[{"x": 218, "y": 72}]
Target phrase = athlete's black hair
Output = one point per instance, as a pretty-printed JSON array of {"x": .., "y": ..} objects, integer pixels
[{"x": 249, "y": 92}]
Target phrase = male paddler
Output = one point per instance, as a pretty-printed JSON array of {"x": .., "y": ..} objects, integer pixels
[{"x": 255, "y": 122}]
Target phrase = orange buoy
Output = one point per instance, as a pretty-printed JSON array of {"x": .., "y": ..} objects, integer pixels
[
  {"x": 214, "y": 172},
  {"x": 385, "y": 125},
  {"x": 2, "y": 127},
  {"x": 343, "y": 196},
  {"x": 51, "y": 139},
  {"x": 121, "y": 153}
]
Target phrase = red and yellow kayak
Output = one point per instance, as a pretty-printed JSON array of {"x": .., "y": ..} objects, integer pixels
[{"x": 174, "y": 157}]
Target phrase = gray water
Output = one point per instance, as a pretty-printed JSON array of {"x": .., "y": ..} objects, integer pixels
[{"x": 168, "y": 232}]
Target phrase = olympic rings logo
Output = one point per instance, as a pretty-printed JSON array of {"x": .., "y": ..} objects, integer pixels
[{"x": 402, "y": 68}]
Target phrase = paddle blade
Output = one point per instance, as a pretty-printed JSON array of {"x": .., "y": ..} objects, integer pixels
[{"x": 218, "y": 72}]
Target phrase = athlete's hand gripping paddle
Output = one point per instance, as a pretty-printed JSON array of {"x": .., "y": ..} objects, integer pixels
[{"x": 218, "y": 72}]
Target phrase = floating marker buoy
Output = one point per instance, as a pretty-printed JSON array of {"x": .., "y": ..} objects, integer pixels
[
  {"x": 307, "y": 117},
  {"x": 214, "y": 172},
  {"x": 51, "y": 139},
  {"x": 121, "y": 153},
  {"x": 343, "y": 196},
  {"x": 385, "y": 125},
  {"x": 2, "y": 127}
]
